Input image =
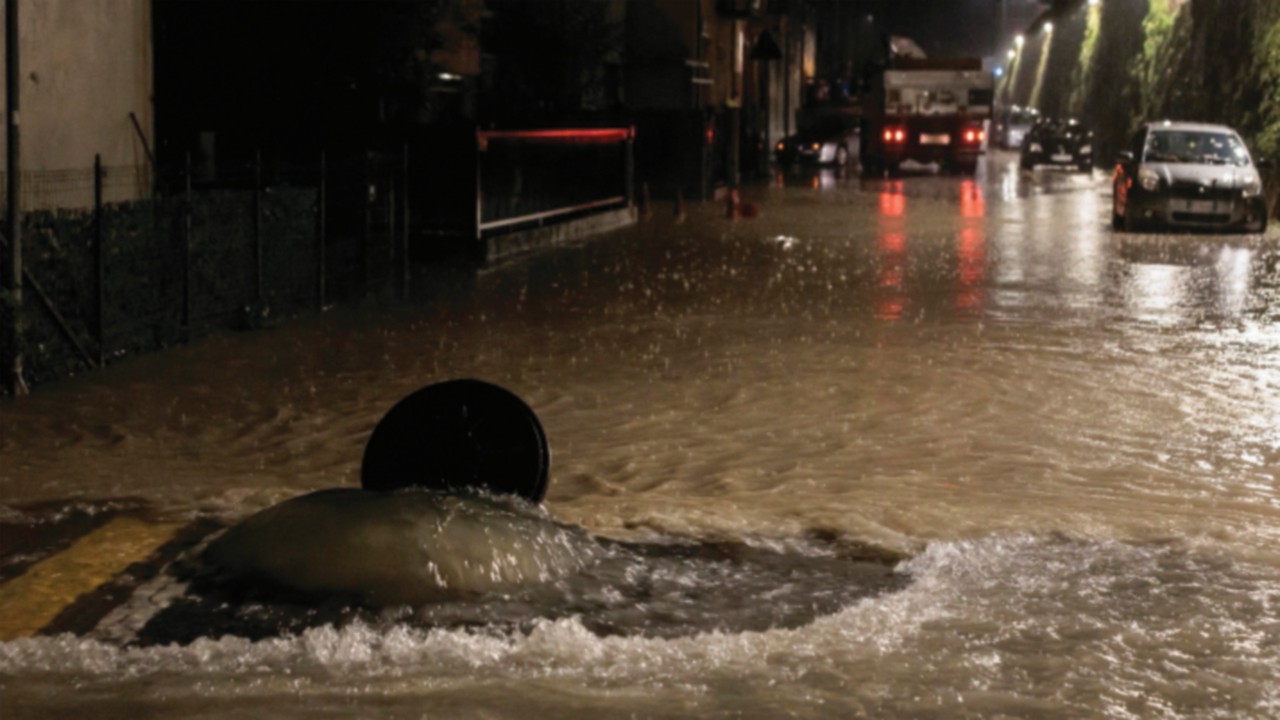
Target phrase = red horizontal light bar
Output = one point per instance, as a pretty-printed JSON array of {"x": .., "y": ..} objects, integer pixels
[{"x": 567, "y": 135}]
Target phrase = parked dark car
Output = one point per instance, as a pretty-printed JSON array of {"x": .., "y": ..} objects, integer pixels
[
  {"x": 1062, "y": 142},
  {"x": 827, "y": 143},
  {"x": 1188, "y": 175}
]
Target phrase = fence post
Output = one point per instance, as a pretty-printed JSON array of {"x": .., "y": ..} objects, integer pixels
[
  {"x": 99, "y": 257},
  {"x": 368, "y": 220},
  {"x": 477, "y": 151},
  {"x": 186, "y": 253},
  {"x": 320, "y": 236},
  {"x": 390, "y": 174},
  {"x": 404, "y": 225},
  {"x": 17, "y": 385},
  {"x": 629, "y": 182}
]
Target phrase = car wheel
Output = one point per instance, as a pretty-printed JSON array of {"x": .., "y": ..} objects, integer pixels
[
  {"x": 842, "y": 156},
  {"x": 1258, "y": 226}
]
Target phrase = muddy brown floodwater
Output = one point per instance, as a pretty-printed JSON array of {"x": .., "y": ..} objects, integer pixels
[{"x": 1067, "y": 434}]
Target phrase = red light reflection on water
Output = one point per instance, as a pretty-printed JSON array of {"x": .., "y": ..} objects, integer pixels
[
  {"x": 972, "y": 204},
  {"x": 970, "y": 248},
  {"x": 892, "y": 279},
  {"x": 891, "y": 249},
  {"x": 971, "y": 258},
  {"x": 892, "y": 202}
]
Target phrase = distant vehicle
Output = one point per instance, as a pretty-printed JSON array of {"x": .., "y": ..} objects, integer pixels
[
  {"x": 1062, "y": 142},
  {"x": 828, "y": 140},
  {"x": 926, "y": 110},
  {"x": 1190, "y": 175},
  {"x": 1012, "y": 125}
]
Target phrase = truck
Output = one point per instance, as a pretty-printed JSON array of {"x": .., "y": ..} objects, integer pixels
[{"x": 930, "y": 110}]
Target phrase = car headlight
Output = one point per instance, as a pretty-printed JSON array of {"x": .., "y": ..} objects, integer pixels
[
  {"x": 1034, "y": 147},
  {"x": 1253, "y": 188},
  {"x": 1149, "y": 179},
  {"x": 1086, "y": 149}
]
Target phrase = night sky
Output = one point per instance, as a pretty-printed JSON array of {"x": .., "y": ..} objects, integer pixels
[{"x": 955, "y": 27}]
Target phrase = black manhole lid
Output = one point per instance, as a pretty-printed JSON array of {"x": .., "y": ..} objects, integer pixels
[{"x": 458, "y": 435}]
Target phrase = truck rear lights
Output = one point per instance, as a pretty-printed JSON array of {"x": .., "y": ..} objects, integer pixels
[
  {"x": 973, "y": 135},
  {"x": 895, "y": 135}
]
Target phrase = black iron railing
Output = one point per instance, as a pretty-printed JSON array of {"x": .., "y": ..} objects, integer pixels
[{"x": 531, "y": 177}]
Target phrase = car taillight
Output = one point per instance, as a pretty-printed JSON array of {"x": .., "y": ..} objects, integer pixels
[
  {"x": 894, "y": 135},
  {"x": 973, "y": 136}
]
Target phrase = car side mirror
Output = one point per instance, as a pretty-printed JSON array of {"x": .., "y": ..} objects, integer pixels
[{"x": 1125, "y": 156}]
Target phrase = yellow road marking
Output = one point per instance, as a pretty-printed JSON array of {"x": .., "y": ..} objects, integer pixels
[{"x": 33, "y": 599}]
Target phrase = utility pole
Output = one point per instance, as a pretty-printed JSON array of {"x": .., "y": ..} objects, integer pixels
[{"x": 13, "y": 279}]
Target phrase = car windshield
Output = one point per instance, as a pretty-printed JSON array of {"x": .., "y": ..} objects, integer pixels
[
  {"x": 1022, "y": 117},
  {"x": 1196, "y": 146},
  {"x": 1057, "y": 127}
]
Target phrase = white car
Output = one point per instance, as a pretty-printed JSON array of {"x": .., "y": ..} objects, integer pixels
[{"x": 1188, "y": 175}]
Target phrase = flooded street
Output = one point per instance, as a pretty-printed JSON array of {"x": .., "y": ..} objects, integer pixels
[{"x": 1064, "y": 440}]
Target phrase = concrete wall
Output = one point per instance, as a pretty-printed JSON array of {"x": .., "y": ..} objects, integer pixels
[{"x": 85, "y": 66}]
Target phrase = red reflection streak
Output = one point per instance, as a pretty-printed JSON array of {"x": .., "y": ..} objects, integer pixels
[
  {"x": 971, "y": 253},
  {"x": 891, "y": 247},
  {"x": 892, "y": 244},
  {"x": 972, "y": 204},
  {"x": 892, "y": 202},
  {"x": 889, "y": 309}
]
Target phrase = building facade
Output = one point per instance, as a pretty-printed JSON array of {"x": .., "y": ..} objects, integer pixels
[{"x": 85, "y": 90}]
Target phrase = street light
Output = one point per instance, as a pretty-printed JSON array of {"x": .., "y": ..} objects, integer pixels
[
  {"x": 1048, "y": 27},
  {"x": 1012, "y": 53},
  {"x": 1018, "y": 40}
]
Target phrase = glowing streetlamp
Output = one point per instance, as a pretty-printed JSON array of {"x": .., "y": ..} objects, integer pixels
[
  {"x": 1018, "y": 40},
  {"x": 1048, "y": 27},
  {"x": 1012, "y": 53}
]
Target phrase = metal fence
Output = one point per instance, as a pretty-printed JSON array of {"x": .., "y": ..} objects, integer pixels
[
  {"x": 197, "y": 254},
  {"x": 530, "y": 177},
  {"x": 138, "y": 259},
  {"x": 74, "y": 189}
]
